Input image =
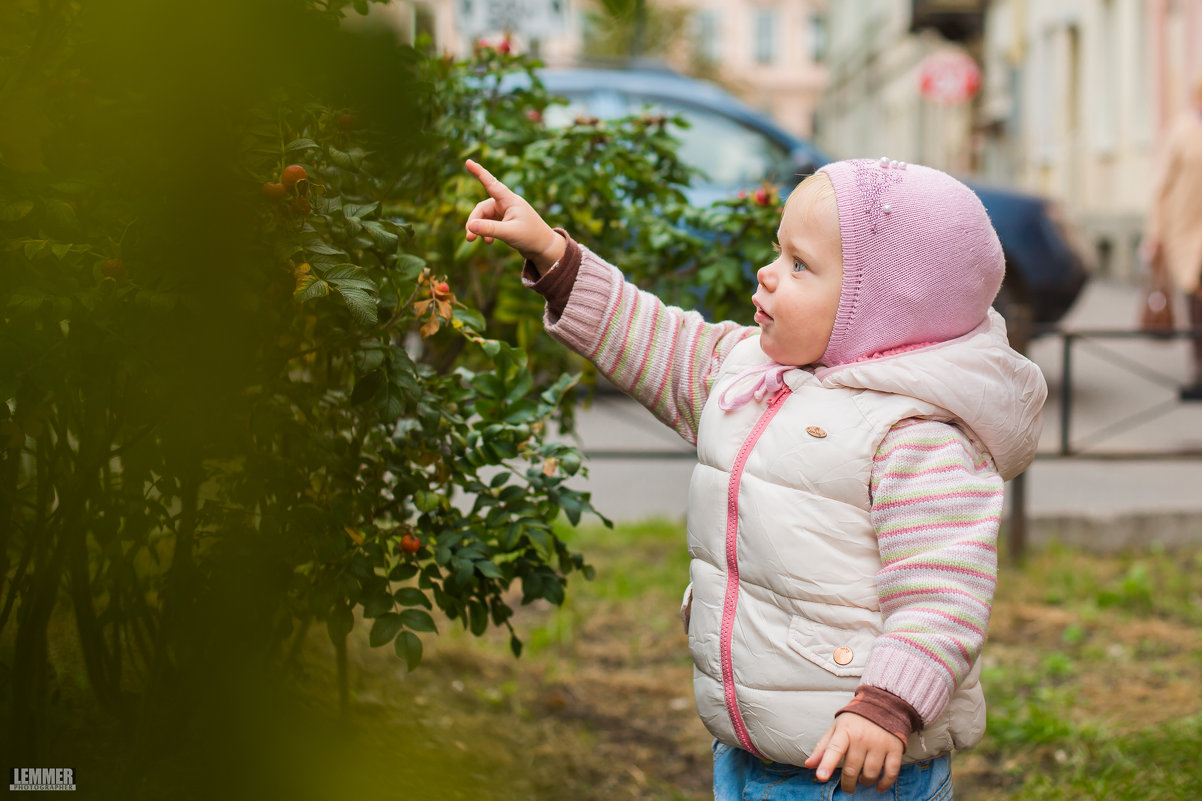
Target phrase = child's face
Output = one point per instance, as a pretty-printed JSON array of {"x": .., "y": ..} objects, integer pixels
[{"x": 798, "y": 294}]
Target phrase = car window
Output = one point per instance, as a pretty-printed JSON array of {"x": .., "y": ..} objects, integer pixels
[
  {"x": 727, "y": 151},
  {"x": 605, "y": 104}
]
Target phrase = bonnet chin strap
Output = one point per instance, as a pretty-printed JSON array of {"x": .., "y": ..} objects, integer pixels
[{"x": 771, "y": 379}]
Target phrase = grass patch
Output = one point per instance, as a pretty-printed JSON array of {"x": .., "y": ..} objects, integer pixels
[{"x": 1092, "y": 674}]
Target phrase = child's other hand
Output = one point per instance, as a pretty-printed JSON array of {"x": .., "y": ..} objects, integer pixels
[
  {"x": 508, "y": 217},
  {"x": 868, "y": 753}
]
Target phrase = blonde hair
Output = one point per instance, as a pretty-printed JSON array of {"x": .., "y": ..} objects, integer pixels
[{"x": 823, "y": 188}]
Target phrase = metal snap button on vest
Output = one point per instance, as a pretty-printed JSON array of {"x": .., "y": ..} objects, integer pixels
[
  {"x": 842, "y": 655},
  {"x": 815, "y": 431}
]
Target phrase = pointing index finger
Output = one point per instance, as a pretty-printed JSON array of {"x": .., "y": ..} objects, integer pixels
[{"x": 495, "y": 188}]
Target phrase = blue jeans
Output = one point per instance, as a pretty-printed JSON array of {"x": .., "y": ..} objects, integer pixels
[{"x": 739, "y": 776}]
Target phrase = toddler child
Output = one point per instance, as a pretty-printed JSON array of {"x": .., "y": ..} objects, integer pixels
[{"x": 852, "y": 449}]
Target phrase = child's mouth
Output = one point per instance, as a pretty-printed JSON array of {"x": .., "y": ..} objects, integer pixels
[{"x": 761, "y": 316}]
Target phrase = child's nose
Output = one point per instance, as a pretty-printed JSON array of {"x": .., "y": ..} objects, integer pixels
[{"x": 766, "y": 277}]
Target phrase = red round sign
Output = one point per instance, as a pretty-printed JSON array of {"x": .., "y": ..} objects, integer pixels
[{"x": 949, "y": 76}]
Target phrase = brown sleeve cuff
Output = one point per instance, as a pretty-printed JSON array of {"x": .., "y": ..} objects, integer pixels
[
  {"x": 884, "y": 709},
  {"x": 555, "y": 285}
]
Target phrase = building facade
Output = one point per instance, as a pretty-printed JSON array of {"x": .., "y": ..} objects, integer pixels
[
  {"x": 873, "y": 105},
  {"x": 1078, "y": 97},
  {"x": 768, "y": 52}
]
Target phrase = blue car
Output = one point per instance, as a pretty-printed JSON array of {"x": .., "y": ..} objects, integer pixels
[{"x": 738, "y": 148}]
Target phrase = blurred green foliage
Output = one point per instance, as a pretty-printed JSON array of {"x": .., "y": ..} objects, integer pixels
[
  {"x": 227, "y": 414},
  {"x": 232, "y": 406}
]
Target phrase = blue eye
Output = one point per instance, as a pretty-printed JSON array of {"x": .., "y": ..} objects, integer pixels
[{"x": 798, "y": 265}]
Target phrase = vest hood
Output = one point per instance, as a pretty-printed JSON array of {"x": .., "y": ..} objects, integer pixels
[{"x": 978, "y": 378}]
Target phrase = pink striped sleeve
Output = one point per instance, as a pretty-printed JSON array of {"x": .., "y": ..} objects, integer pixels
[
  {"x": 936, "y": 508},
  {"x": 664, "y": 357}
]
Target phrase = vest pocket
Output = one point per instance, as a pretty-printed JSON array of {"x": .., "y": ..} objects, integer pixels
[
  {"x": 840, "y": 650},
  {"x": 686, "y": 607}
]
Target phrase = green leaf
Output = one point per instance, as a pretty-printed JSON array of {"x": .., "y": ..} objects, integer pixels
[
  {"x": 523, "y": 411},
  {"x": 509, "y": 539},
  {"x": 489, "y": 570},
  {"x": 312, "y": 288},
  {"x": 340, "y": 158},
  {"x": 412, "y": 596},
  {"x": 368, "y": 386},
  {"x": 361, "y": 305},
  {"x": 426, "y": 501},
  {"x": 385, "y": 628},
  {"x": 478, "y": 617},
  {"x": 349, "y": 274},
  {"x": 417, "y": 620},
  {"x": 403, "y": 572},
  {"x": 489, "y": 384},
  {"x": 392, "y": 404},
  {"x": 362, "y": 284},
  {"x": 465, "y": 571},
  {"x": 471, "y": 319},
  {"x": 16, "y": 210},
  {"x": 369, "y": 359},
  {"x": 409, "y": 267},
  {"x": 61, "y": 215},
  {"x": 26, "y": 299},
  {"x": 382, "y": 237},
  {"x": 521, "y": 388},
  {"x": 323, "y": 249},
  {"x": 360, "y": 210},
  {"x": 571, "y": 505},
  {"x": 377, "y": 604},
  {"x": 299, "y": 145},
  {"x": 409, "y": 648}
]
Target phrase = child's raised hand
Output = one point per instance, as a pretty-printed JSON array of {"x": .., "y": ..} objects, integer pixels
[
  {"x": 507, "y": 216},
  {"x": 868, "y": 753}
]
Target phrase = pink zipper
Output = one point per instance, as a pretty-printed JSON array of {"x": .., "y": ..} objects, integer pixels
[{"x": 732, "y": 568}]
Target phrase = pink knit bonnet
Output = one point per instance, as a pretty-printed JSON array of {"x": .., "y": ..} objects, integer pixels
[{"x": 921, "y": 261}]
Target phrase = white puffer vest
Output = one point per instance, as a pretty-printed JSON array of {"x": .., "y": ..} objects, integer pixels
[{"x": 784, "y": 605}]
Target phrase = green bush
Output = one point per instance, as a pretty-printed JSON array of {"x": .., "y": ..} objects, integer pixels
[{"x": 233, "y": 404}]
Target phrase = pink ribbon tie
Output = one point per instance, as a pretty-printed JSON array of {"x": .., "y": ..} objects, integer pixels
[{"x": 771, "y": 379}]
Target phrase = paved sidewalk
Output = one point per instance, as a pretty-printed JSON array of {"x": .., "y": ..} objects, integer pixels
[{"x": 1125, "y": 401}]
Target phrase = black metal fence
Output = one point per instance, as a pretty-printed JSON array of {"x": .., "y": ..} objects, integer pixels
[{"x": 1069, "y": 445}]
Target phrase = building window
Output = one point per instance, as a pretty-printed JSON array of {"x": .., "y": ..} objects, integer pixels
[
  {"x": 1108, "y": 80},
  {"x": 705, "y": 30},
  {"x": 817, "y": 37},
  {"x": 425, "y": 26},
  {"x": 764, "y": 45}
]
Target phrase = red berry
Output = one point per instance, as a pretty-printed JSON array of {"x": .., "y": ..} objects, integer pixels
[
  {"x": 112, "y": 268},
  {"x": 505, "y": 47},
  {"x": 761, "y": 197},
  {"x": 274, "y": 191},
  {"x": 410, "y": 544},
  {"x": 301, "y": 205},
  {"x": 347, "y": 122},
  {"x": 442, "y": 290},
  {"x": 293, "y": 174}
]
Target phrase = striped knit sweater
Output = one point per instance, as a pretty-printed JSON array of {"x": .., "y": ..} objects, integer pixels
[{"x": 936, "y": 498}]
